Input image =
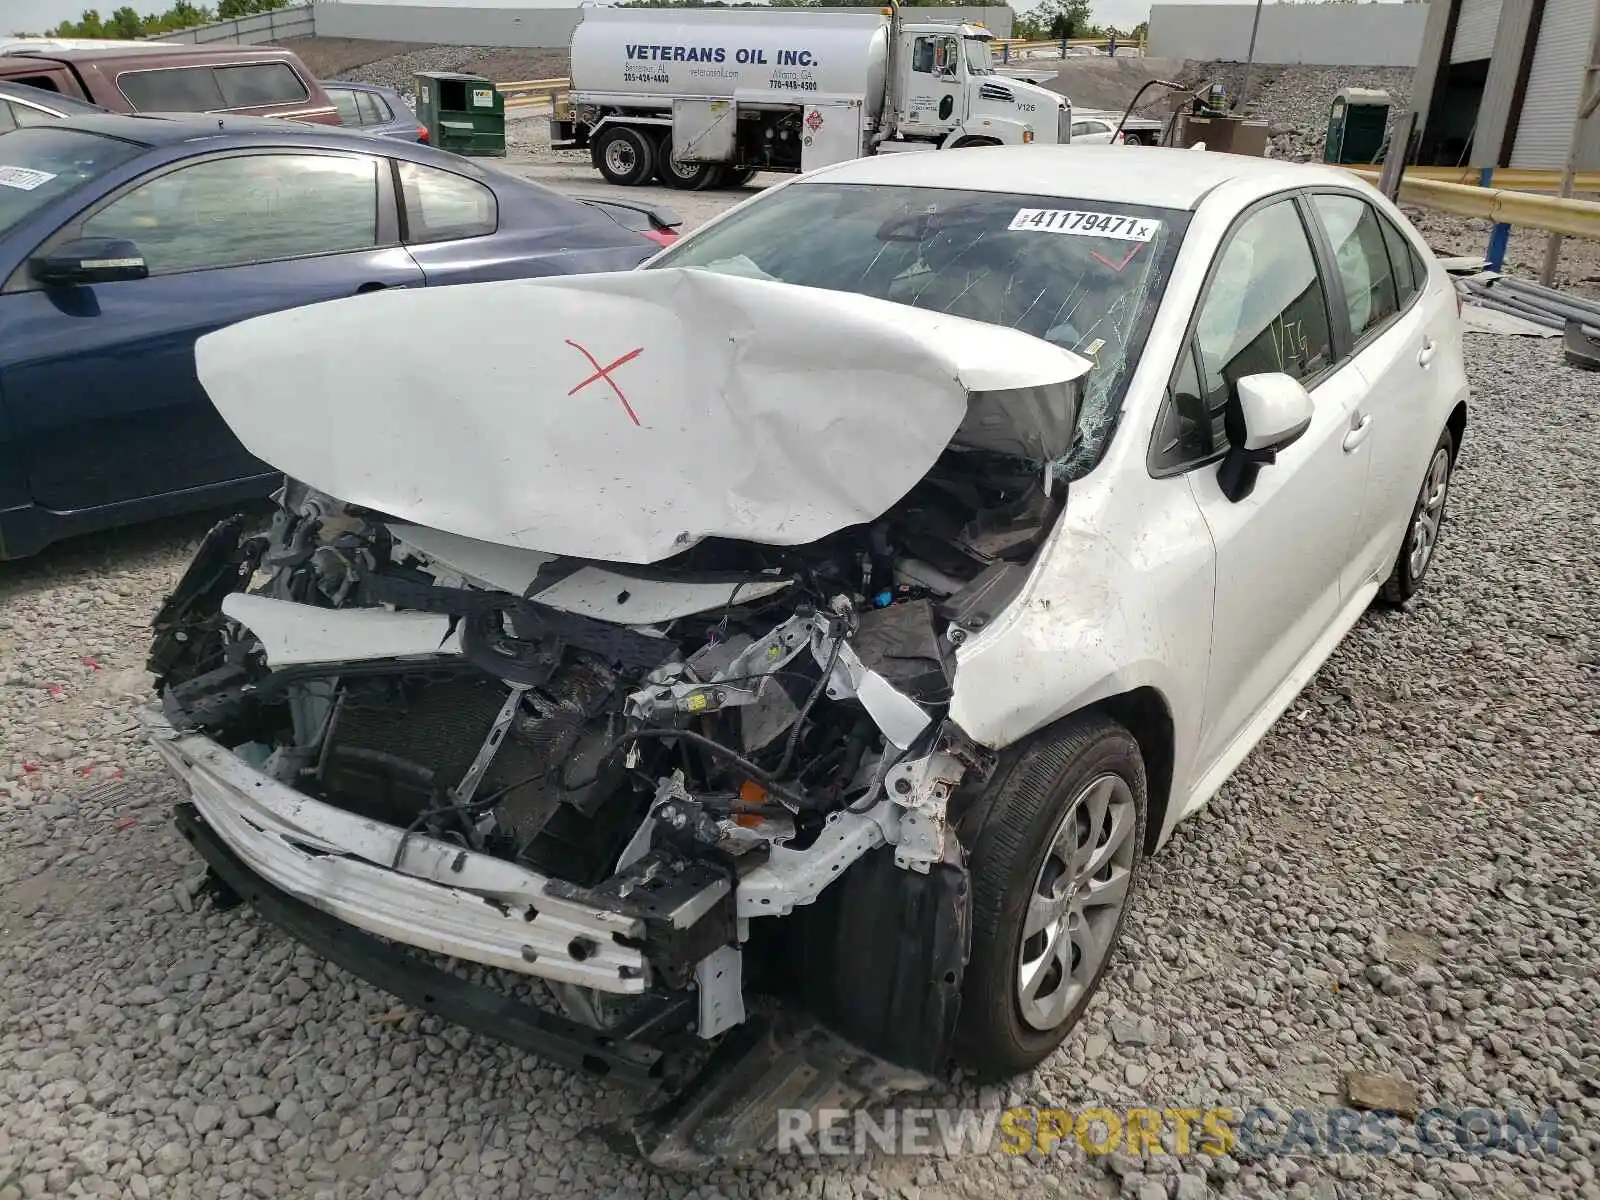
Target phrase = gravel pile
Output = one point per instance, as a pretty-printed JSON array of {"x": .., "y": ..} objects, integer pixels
[
  {"x": 1401, "y": 880},
  {"x": 1294, "y": 100},
  {"x": 493, "y": 62}
]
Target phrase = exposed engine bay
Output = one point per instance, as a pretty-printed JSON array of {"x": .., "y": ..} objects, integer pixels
[{"x": 611, "y": 776}]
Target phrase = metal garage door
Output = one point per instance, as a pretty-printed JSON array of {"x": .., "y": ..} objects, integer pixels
[
  {"x": 1555, "y": 84},
  {"x": 1475, "y": 29}
]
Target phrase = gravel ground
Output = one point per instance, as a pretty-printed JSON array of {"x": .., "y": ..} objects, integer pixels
[
  {"x": 394, "y": 64},
  {"x": 1401, "y": 880}
]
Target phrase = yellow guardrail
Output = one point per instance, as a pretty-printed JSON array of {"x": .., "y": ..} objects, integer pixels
[
  {"x": 1511, "y": 179},
  {"x": 1503, "y": 206},
  {"x": 525, "y": 93}
]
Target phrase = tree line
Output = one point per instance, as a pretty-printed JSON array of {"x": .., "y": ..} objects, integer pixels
[{"x": 126, "y": 22}]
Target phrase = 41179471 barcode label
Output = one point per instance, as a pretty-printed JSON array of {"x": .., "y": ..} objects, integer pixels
[{"x": 1085, "y": 224}]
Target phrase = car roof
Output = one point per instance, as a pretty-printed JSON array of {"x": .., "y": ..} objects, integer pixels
[
  {"x": 357, "y": 86},
  {"x": 155, "y": 130},
  {"x": 159, "y": 50},
  {"x": 169, "y": 129},
  {"x": 1161, "y": 177}
]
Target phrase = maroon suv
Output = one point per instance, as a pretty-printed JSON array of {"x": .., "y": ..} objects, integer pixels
[{"x": 263, "y": 81}]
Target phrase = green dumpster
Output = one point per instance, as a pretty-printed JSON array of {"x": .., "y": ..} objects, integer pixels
[
  {"x": 462, "y": 113},
  {"x": 1357, "y": 120}
]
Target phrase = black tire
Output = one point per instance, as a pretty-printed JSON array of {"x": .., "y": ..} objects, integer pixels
[
  {"x": 685, "y": 177},
  {"x": 738, "y": 177},
  {"x": 1024, "y": 804},
  {"x": 974, "y": 142},
  {"x": 1407, "y": 577},
  {"x": 625, "y": 156}
]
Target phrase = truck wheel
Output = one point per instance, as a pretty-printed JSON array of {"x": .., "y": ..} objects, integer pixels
[
  {"x": 738, "y": 178},
  {"x": 1054, "y": 857},
  {"x": 686, "y": 177},
  {"x": 625, "y": 156}
]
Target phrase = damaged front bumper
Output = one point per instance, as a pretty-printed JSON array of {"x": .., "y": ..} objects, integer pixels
[
  {"x": 318, "y": 874},
  {"x": 437, "y": 897}
]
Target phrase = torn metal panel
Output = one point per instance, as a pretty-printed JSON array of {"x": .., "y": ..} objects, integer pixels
[
  {"x": 300, "y": 634},
  {"x": 628, "y": 416},
  {"x": 589, "y": 591}
]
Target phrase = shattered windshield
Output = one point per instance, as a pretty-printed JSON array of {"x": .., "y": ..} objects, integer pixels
[{"x": 1085, "y": 275}]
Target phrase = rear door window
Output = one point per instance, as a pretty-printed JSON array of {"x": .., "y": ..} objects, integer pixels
[
  {"x": 441, "y": 206},
  {"x": 1354, "y": 231},
  {"x": 177, "y": 89},
  {"x": 373, "y": 110},
  {"x": 1402, "y": 258},
  {"x": 256, "y": 85},
  {"x": 7, "y": 121}
]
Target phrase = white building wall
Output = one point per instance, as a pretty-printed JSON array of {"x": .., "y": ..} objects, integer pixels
[
  {"x": 1335, "y": 35},
  {"x": 1567, "y": 37}
]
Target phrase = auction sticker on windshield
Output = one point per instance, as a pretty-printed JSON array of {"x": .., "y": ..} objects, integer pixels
[
  {"x": 24, "y": 179},
  {"x": 1085, "y": 224}
]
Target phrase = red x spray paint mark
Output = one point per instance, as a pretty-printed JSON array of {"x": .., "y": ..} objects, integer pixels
[
  {"x": 1117, "y": 266},
  {"x": 605, "y": 373}
]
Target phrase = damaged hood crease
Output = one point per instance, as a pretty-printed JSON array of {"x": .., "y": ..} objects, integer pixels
[{"x": 626, "y": 417}]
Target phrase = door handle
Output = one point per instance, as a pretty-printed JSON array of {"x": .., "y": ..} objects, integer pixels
[
  {"x": 1425, "y": 355},
  {"x": 1360, "y": 426}
]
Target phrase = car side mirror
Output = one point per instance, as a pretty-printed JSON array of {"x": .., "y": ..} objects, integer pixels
[
  {"x": 85, "y": 261},
  {"x": 1269, "y": 413}
]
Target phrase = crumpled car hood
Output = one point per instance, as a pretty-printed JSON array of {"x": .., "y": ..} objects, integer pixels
[{"x": 626, "y": 416}]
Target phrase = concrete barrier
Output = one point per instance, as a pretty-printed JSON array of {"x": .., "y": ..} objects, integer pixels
[{"x": 261, "y": 29}]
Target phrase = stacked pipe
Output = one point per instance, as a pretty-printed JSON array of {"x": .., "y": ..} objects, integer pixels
[
  {"x": 1577, "y": 317},
  {"x": 1534, "y": 302}
]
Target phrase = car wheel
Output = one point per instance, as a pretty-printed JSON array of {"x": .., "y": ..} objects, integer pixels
[
  {"x": 686, "y": 177},
  {"x": 1425, "y": 526},
  {"x": 1053, "y": 864},
  {"x": 625, "y": 156}
]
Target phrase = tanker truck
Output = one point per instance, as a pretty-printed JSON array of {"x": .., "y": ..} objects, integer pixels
[{"x": 702, "y": 98}]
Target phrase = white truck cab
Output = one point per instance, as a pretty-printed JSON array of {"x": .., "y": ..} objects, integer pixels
[
  {"x": 952, "y": 93},
  {"x": 702, "y": 97}
]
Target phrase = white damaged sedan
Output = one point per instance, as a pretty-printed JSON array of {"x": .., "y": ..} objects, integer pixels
[{"x": 836, "y": 610}]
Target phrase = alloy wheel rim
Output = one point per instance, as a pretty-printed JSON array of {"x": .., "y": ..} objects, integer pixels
[
  {"x": 1430, "y": 513},
  {"x": 1076, "y": 901}
]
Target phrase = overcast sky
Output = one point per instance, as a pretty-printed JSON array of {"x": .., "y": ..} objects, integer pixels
[{"x": 45, "y": 14}]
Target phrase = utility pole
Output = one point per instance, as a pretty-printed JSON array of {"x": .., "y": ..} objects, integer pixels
[{"x": 1250, "y": 58}]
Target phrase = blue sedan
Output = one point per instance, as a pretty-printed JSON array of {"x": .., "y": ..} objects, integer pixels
[{"x": 124, "y": 239}]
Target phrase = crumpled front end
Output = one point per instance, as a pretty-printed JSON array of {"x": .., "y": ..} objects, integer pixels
[{"x": 658, "y": 787}]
